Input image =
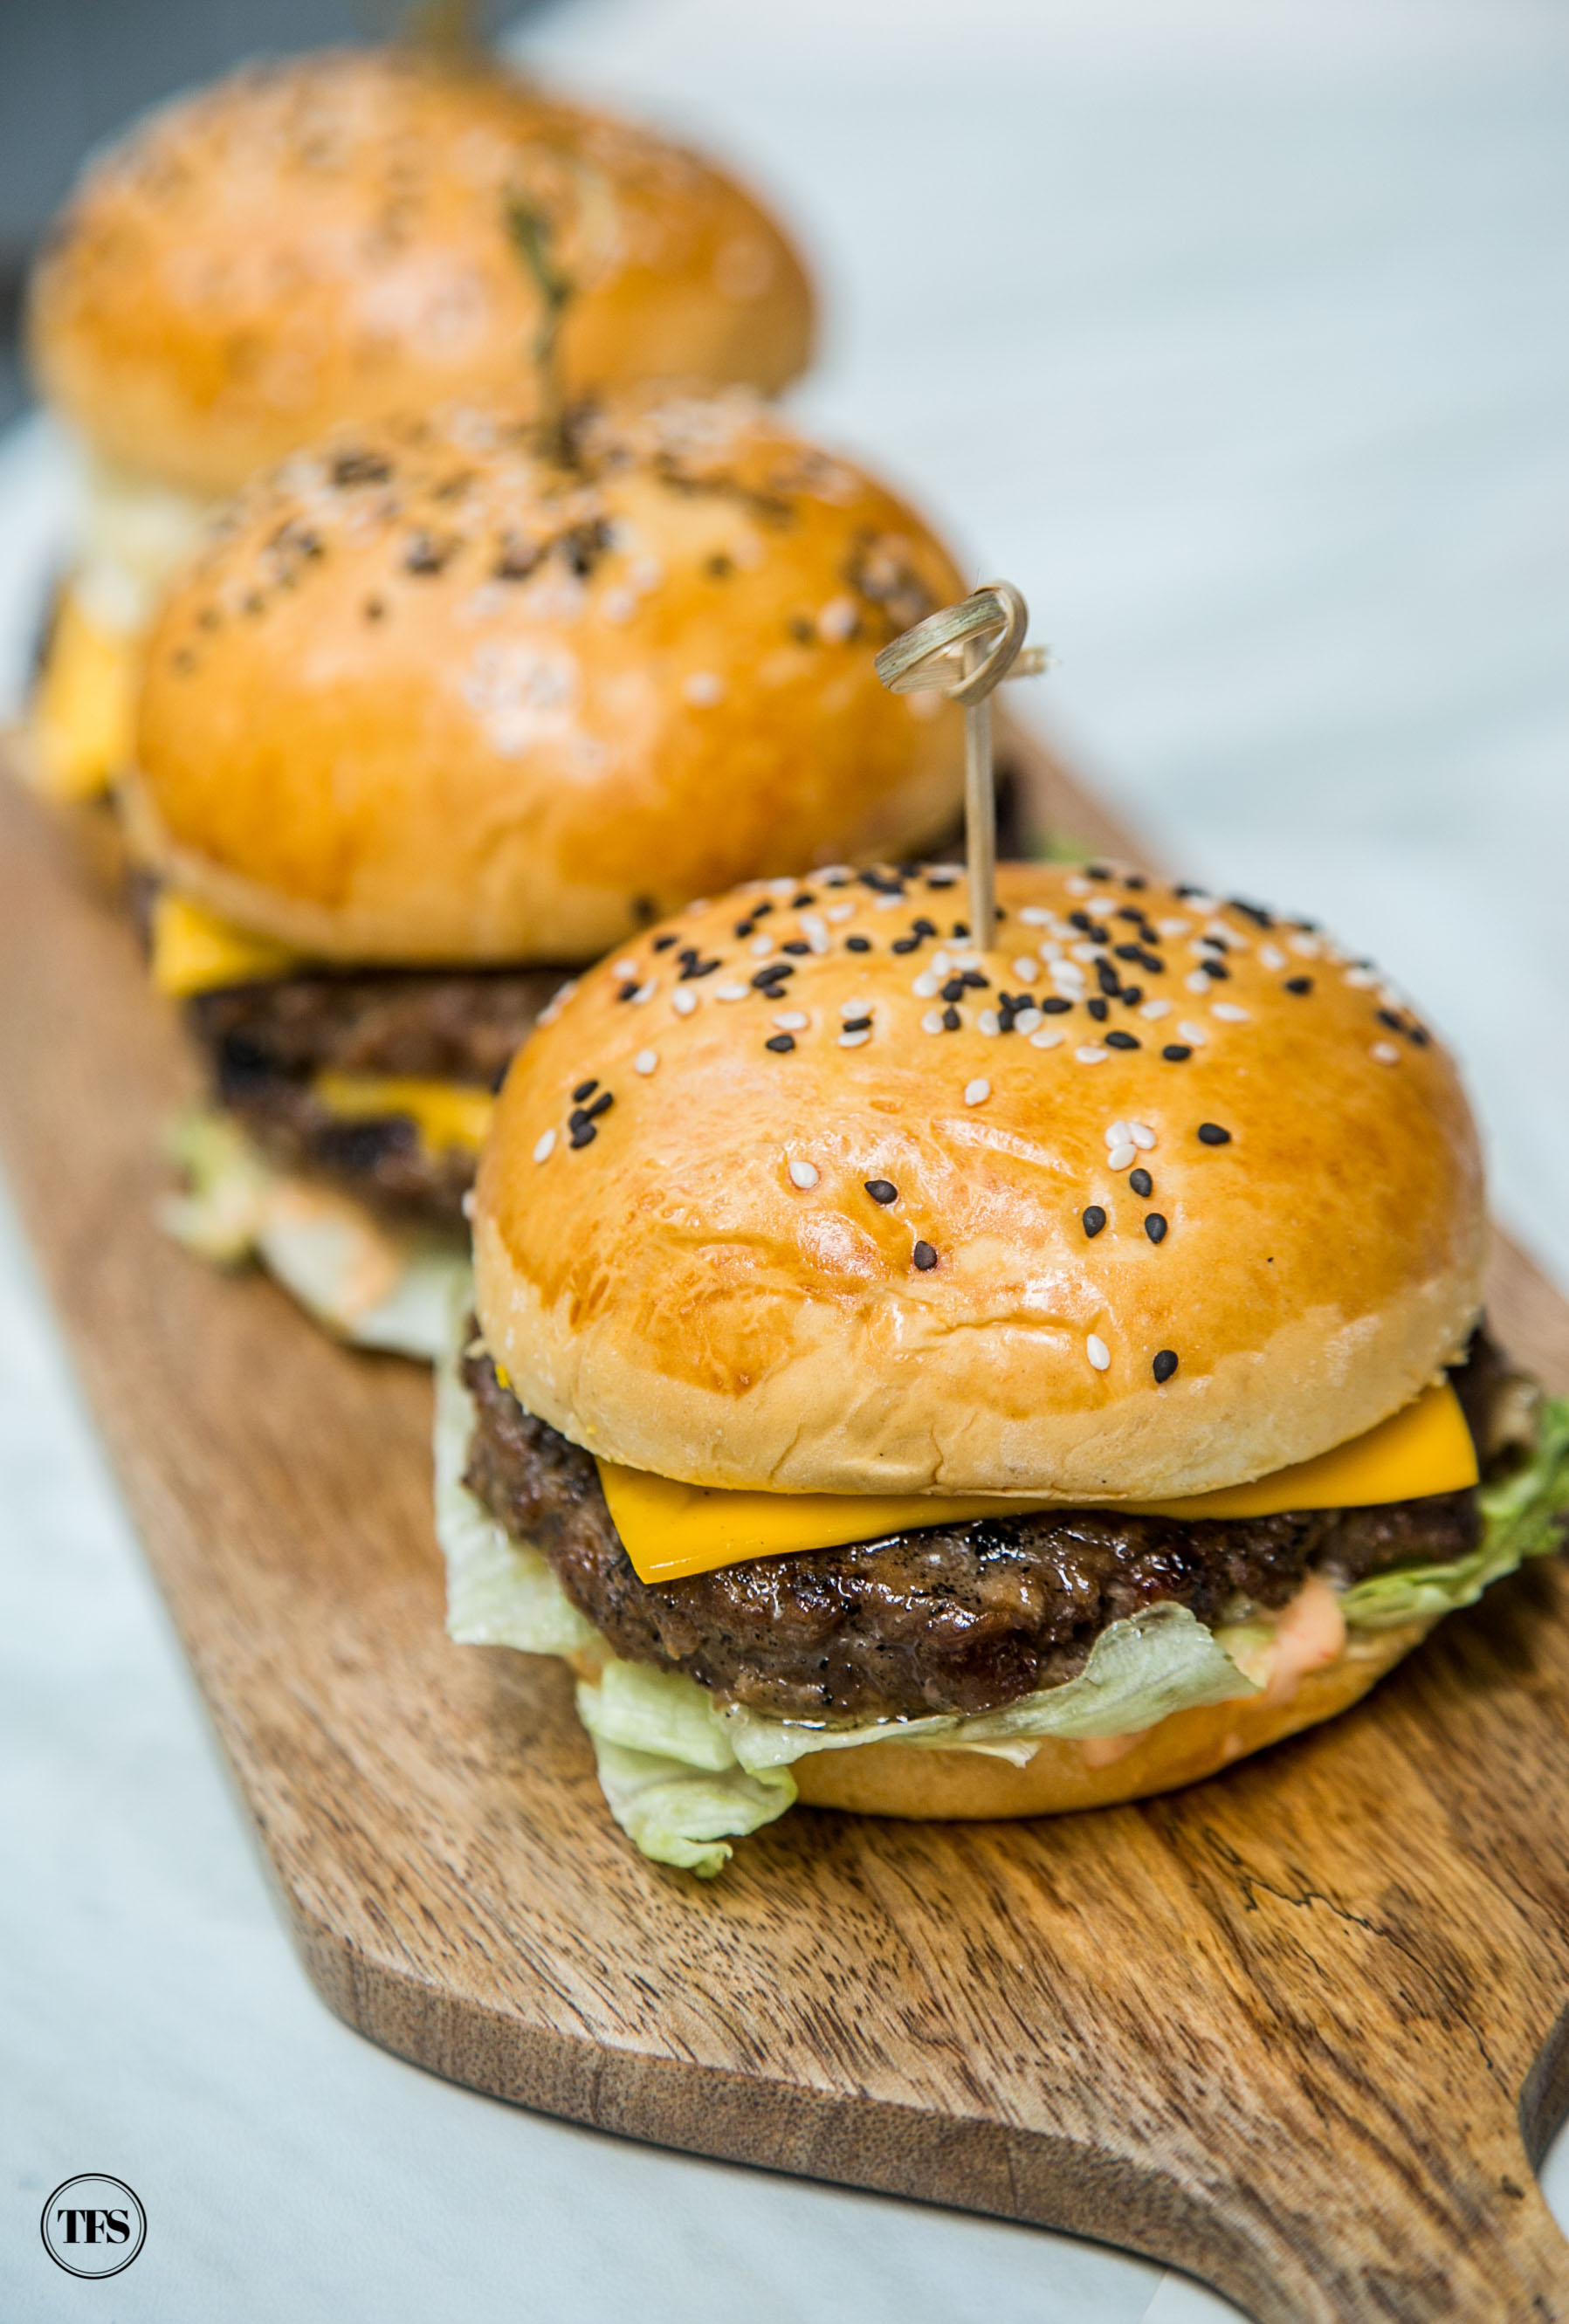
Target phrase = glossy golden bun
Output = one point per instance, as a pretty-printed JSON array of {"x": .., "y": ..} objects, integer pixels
[
  {"x": 669, "y": 1297},
  {"x": 324, "y": 240},
  {"x": 897, "y": 1780},
  {"x": 435, "y": 697}
]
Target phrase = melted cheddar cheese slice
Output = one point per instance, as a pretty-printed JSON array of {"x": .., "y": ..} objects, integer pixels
[
  {"x": 84, "y": 711},
  {"x": 670, "y": 1529},
  {"x": 195, "y": 951},
  {"x": 445, "y": 1113}
]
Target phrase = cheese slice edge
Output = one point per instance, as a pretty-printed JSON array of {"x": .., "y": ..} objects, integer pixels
[
  {"x": 195, "y": 951},
  {"x": 670, "y": 1529}
]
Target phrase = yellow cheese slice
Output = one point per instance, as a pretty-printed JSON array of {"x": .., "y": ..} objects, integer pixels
[
  {"x": 445, "y": 1113},
  {"x": 194, "y": 951},
  {"x": 670, "y": 1529},
  {"x": 84, "y": 711}
]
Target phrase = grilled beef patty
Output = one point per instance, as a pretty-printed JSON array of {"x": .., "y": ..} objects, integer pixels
[
  {"x": 962, "y": 1618},
  {"x": 265, "y": 1043}
]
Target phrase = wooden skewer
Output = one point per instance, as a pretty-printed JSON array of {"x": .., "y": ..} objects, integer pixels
[{"x": 947, "y": 654}]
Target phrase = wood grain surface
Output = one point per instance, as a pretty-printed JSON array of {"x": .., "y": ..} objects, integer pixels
[{"x": 1300, "y": 2030}]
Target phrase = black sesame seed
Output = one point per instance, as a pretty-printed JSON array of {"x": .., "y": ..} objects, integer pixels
[
  {"x": 950, "y": 1019},
  {"x": 1099, "y": 1009},
  {"x": 1055, "y": 1006},
  {"x": 663, "y": 944},
  {"x": 780, "y": 1044},
  {"x": 1155, "y": 1226},
  {"x": 1082, "y": 921},
  {"x": 961, "y": 927},
  {"x": 1142, "y": 1184},
  {"x": 905, "y": 944},
  {"x": 801, "y": 902},
  {"x": 1094, "y": 1219},
  {"x": 1216, "y": 968},
  {"x": 881, "y": 1190},
  {"x": 584, "y": 1133},
  {"x": 1387, "y": 1017},
  {"x": 954, "y": 990},
  {"x": 1153, "y": 963},
  {"x": 1107, "y": 978},
  {"x": 1210, "y": 1133},
  {"x": 797, "y": 945},
  {"x": 759, "y": 910},
  {"x": 1098, "y": 871},
  {"x": 1254, "y": 912},
  {"x": 1419, "y": 1034},
  {"x": 1135, "y": 881},
  {"x": 1176, "y": 1053},
  {"x": 924, "y": 1256},
  {"x": 883, "y": 883},
  {"x": 855, "y": 1025},
  {"x": 373, "y": 609},
  {"x": 697, "y": 968},
  {"x": 744, "y": 928},
  {"x": 584, "y": 1089},
  {"x": 602, "y": 1105},
  {"x": 1300, "y": 984},
  {"x": 1129, "y": 952},
  {"x": 1123, "y": 1041},
  {"x": 975, "y": 980},
  {"x": 940, "y": 879},
  {"x": 774, "y": 973},
  {"x": 857, "y": 944},
  {"x": 1131, "y": 995},
  {"x": 923, "y": 927},
  {"x": 1165, "y": 1364},
  {"x": 910, "y": 870},
  {"x": 629, "y": 991}
]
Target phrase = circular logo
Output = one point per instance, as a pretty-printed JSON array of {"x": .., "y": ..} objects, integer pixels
[{"x": 93, "y": 2226}]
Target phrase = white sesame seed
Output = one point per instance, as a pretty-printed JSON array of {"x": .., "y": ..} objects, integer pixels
[
  {"x": 545, "y": 1147},
  {"x": 1305, "y": 947},
  {"x": 883, "y": 903},
  {"x": 1036, "y": 916},
  {"x": 1173, "y": 927},
  {"x": 467, "y": 1205},
  {"x": 1360, "y": 977},
  {"x": 1229, "y": 1013},
  {"x": 792, "y": 1020},
  {"x": 1271, "y": 956},
  {"x": 683, "y": 1000},
  {"x": 759, "y": 947},
  {"x": 1050, "y": 950},
  {"x": 817, "y": 936},
  {"x": 702, "y": 688},
  {"x": 645, "y": 1061},
  {"x": 838, "y": 620},
  {"x": 1154, "y": 1011},
  {"x": 1092, "y": 1056},
  {"x": 855, "y": 1008},
  {"x": 784, "y": 886},
  {"x": 855, "y": 1040},
  {"x": 1197, "y": 983},
  {"x": 1027, "y": 1019},
  {"x": 1069, "y": 975},
  {"x": 989, "y": 1021},
  {"x": 1142, "y": 1134},
  {"x": 837, "y": 912},
  {"x": 1123, "y": 1156},
  {"x": 967, "y": 960},
  {"x": 1025, "y": 969},
  {"x": 1077, "y": 887},
  {"x": 1099, "y": 1354},
  {"x": 932, "y": 1022},
  {"x": 1089, "y": 953},
  {"x": 1221, "y": 932},
  {"x": 1118, "y": 1134},
  {"x": 698, "y": 904},
  {"x": 941, "y": 964},
  {"x": 833, "y": 872},
  {"x": 925, "y": 986},
  {"x": 1391, "y": 996},
  {"x": 803, "y": 1175},
  {"x": 1196, "y": 1034},
  {"x": 1385, "y": 1052},
  {"x": 977, "y": 1092},
  {"x": 1046, "y": 1040},
  {"x": 731, "y": 991},
  {"x": 623, "y": 969}
]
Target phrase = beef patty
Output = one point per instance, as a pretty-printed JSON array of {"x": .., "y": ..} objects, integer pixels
[
  {"x": 961, "y": 1618},
  {"x": 266, "y": 1042}
]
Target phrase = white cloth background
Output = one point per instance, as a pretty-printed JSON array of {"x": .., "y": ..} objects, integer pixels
[{"x": 1236, "y": 333}]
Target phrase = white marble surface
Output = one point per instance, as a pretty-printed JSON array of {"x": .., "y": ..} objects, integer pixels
[{"x": 1260, "y": 390}]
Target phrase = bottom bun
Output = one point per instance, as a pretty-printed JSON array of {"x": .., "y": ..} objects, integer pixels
[{"x": 901, "y": 1779}]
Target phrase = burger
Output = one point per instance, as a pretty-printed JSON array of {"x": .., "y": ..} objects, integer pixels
[
  {"x": 947, "y": 1384},
  {"x": 449, "y": 706},
  {"x": 332, "y": 240}
]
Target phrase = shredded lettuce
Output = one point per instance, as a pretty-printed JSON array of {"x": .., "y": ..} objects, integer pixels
[
  {"x": 1522, "y": 1517},
  {"x": 379, "y": 1287},
  {"x": 683, "y": 1777}
]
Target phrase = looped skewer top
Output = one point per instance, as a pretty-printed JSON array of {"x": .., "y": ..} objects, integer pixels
[{"x": 945, "y": 654}]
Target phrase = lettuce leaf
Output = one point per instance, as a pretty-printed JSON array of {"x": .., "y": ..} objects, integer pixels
[
  {"x": 1522, "y": 1517},
  {"x": 376, "y": 1286},
  {"x": 679, "y": 1814}
]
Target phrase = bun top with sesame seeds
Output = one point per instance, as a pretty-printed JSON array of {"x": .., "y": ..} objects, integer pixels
[
  {"x": 848, "y": 1208},
  {"x": 326, "y": 240},
  {"x": 441, "y": 691}
]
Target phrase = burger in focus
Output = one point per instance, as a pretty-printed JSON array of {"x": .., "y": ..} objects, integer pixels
[
  {"x": 450, "y": 707},
  {"x": 937, "y": 1384},
  {"x": 332, "y": 240}
]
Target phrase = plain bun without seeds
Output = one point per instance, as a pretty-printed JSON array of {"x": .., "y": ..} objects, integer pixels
[
  {"x": 440, "y": 692},
  {"x": 324, "y": 240},
  {"x": 809, "y": 1239}
]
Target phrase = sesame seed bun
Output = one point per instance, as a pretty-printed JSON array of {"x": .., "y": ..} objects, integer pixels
[
  {"x": 324, "y": 240},
  {"x": 897, "y": 1779},
  {"x": 433, "y": 696},
  {"x": 697, "y": 1280}
]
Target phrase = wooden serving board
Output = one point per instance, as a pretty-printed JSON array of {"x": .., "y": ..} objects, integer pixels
[{"x": 1300, "y": 2030}]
